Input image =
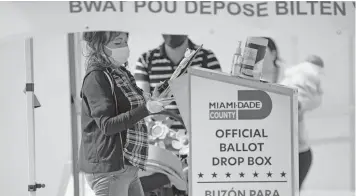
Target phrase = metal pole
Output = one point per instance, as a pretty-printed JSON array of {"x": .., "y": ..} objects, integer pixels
[
  {"x": 74, "y": 119},
  {"x": 30, "y": 118},
  {"x": 352, "y": 113},
  {"x": 79, "y": 72}
]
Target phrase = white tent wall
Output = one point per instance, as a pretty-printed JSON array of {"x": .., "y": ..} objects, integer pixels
[
  {"x": 13, "y": 137},
  {"x": 331, "y": 127},
  {"x": 52, "y": 120}
]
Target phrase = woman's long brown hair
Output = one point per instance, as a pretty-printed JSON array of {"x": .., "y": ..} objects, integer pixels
[{"x": 95, "y": 45}]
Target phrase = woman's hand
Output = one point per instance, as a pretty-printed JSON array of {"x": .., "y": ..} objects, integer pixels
[
  {"x": 147, "y": 96},
  {"x": 154, "y": 106}
]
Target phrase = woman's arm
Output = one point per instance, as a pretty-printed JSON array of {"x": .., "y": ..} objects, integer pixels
[{"x": 98, "y": 93}]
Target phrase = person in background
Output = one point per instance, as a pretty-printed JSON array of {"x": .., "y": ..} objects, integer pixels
[
  {"x": 114, "y": 135},
  {"x": 271, "y": 64},
  {"x": 306, "y": 78},
  {"x": 157, "y": 65}
]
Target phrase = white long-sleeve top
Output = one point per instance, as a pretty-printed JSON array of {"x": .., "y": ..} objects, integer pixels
[{"x": 306, "y": 78}]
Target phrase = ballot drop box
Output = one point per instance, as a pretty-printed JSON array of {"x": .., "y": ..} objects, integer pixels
[{"x": 243, "y": 134}]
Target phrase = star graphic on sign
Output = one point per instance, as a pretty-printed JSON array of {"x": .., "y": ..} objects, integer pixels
[
  {"x": 228, "y": 175},
  {"x": 283, "y": 174},
  {"x": 214, "y": 175},
  {"x": 255, "y": 174},
  {"x": 200, "y": 175},
  {"x": 242, "y": 175},
  {"x": 269, "y": 174}
]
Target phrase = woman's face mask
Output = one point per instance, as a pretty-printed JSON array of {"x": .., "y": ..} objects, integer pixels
[
  {"x": 118, "y": 50},
  {"x": 119, "y": 56}
]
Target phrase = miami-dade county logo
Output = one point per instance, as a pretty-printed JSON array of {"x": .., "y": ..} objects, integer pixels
[{"x": 250, "y": 105}]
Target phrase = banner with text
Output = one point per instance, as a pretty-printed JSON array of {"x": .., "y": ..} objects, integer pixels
[
  {"x": 174, "y": 16},
  {"x": 241, "y": 141},
  {"x": 234, "y": 8}
]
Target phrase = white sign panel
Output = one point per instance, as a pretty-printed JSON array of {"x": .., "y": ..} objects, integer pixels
[{"x": 242, "y": 141}]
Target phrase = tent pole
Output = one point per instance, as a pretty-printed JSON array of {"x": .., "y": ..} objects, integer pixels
[
  {"x": 74, "y": 118},
  {"x": 33, "y": 186}
]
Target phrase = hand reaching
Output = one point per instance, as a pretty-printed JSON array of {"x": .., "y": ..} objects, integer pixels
[
  {"x": 154, "y": 106},
  {"x": 147, "y": 96}
]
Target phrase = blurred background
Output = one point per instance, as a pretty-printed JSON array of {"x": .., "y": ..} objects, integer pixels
[{"x": 331, "y": 127}]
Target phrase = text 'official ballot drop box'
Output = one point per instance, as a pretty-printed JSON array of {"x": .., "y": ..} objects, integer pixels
[{"x": 243, "y": 134}]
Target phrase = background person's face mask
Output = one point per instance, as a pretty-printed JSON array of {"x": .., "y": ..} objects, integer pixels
[
  {"x": 120, "y": 55},
  {"x": 174, "y": 41}
]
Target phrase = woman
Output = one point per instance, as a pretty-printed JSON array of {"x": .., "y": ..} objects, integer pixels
[
  {"x": 271, "y": 67},
  {"x": 114, "y": 136},
  {"x": 306, "y": 77},
  {"x": 271, "y": 73}
]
